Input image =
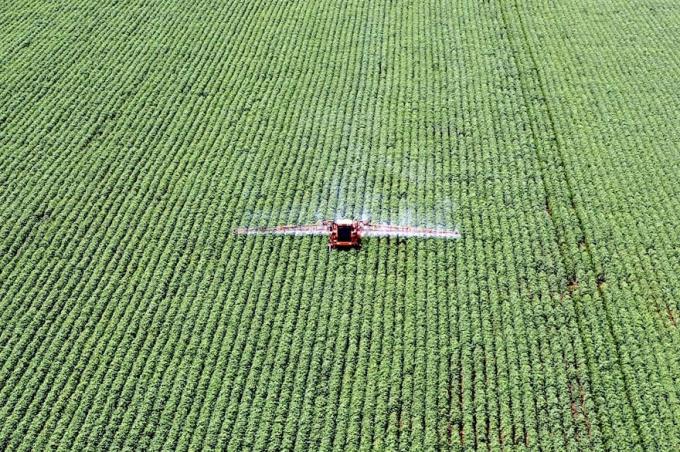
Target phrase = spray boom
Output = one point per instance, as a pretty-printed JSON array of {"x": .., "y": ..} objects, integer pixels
[{"x": 346, "y": 233}]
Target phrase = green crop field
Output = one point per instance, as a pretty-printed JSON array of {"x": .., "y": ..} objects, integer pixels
[{"x": 137, "y": 135}]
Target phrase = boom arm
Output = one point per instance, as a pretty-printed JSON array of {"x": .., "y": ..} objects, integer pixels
[
  {"x": 383, "y": 230},
  {"x": 305, "y": 229}
]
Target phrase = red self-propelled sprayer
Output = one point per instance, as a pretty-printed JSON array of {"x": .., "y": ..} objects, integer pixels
[{"x": 345, "y": 233}]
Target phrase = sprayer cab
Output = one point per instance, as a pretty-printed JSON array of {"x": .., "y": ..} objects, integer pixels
[{"x": 344, "y": 234}]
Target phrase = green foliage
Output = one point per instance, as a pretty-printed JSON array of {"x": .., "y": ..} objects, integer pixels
[{"x": 135, "y": 136}]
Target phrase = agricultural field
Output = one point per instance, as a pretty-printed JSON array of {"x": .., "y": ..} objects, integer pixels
[{"x": 137, "y": 135}]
